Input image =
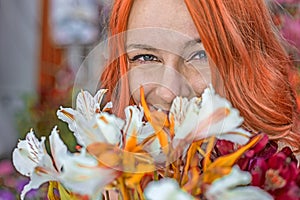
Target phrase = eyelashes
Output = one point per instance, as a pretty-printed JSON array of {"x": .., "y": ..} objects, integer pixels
[
  {"x": 200, "y": 56},
  {"x": 144, "y": 58}
]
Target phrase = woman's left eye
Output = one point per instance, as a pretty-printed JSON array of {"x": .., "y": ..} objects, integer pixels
[
  {"x": 199, "y": 55},
  {"x": 144, "y": 58}
]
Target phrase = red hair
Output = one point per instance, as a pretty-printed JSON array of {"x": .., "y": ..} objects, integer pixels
[
  {"x": 114, "y": 76},
  {"x": 239, "y": 38}
]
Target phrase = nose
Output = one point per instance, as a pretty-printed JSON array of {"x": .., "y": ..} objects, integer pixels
[
  {"x": 165, "y": 94},
  {"x": 173, "y": 82}
]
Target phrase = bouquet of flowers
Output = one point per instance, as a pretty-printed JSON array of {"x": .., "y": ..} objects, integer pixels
[{"x": 197, "y": 150}]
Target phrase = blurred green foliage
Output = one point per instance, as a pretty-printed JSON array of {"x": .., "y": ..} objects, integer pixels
[{"x": 42, "y": 118}]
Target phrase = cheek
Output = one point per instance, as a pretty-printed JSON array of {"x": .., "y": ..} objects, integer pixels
[
  {"x": 134, "y": 82},
  {"x": 147, "y": 75},
  {"x": 138, "y": 79},
  {"x": 199, "y": 78}
]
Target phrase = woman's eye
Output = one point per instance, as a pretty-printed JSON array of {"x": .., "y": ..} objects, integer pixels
[
  {"x": 199, "y": 55},
  {"x": 144, "y": 58}
]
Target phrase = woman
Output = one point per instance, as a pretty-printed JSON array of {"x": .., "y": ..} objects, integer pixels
[{"x": 231, "y": 44}]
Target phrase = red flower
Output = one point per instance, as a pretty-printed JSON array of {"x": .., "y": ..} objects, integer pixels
[{"x": 274, "y": 172}]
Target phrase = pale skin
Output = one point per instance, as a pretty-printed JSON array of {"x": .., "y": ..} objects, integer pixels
[{"x": 165, "y": 53}]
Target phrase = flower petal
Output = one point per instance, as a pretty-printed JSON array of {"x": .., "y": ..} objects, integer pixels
[
  {"x": 239, "y": 136},
  {"x": 87, "y": 131},
  {"x": 189, "y": 123},
  {"x": 245, "y": 193},
  {"x": 35, "y": 182},
  {"x": 134, "y": 120},
  {"x": 99, "y": 96},
  {"x": 217, "y": 116},
  {"x": 178, "y": 110},
  {"x": 67, "y": 115},
  {"x": 226, "y": 187},
  {"x": 85, "y": 104},
  {"x": 31, "y": 159},
  {"x": 82, "y": 174},
  {"x": 87, "y": 107},
  {"x": 235, "y": 178},
  {"x": 28, "y": 154},
  {"x": 166, "y": 189},
  {"x": 58, "y": 148},
  {"x": 110, "y": 127}
]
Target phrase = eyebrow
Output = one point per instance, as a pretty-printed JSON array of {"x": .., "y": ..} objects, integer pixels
[
  {"x": 151, "y": 48},
  {"x": 192, "y": 42},
  {"x": 141, "y": 46}
]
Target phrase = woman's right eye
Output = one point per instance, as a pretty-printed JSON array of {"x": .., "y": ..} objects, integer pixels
[{"x": 143, "y": 58}]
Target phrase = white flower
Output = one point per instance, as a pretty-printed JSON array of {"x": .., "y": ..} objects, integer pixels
[
  {"x": 87, "y": 107},
  {"x": 102, "y": 127},
  {"x": 78, "y": 172},
  {"x": 223, "y": 117},
  {"x": 165, "y": 189},
  {"x": 179, "y": 109},
  {"x": 229, "y": 187},
  {"x": 186, "y": 116},
  {"x": 198, "y": 118},
  {"x": 31, "y": 159},
  {"x": 213, "y": 115},
  {"x": 134, "y": 120},
  {"x": 81, "y": 174},
  {"x": 135, "y": 124},
  {"x": 136, "y": 127},
  {"x": 110, "y": 126}
]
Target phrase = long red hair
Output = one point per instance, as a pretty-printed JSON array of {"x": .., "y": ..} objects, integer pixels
[{"x": 240, "y": 39}]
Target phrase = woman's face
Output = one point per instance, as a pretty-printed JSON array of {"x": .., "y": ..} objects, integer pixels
[{"x": 165, "y": 53}]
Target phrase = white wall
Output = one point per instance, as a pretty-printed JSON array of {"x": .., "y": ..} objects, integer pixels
[{"x": 19, "y": 28}]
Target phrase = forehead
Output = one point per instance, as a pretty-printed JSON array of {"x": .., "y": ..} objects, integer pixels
[{"x": 167, "y": 14}]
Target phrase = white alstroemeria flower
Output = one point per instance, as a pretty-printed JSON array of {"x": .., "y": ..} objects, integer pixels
[
  {"x": 186, "y": 116},
  {"x": 110, "y": 127},
  {"x": 179, "y": 109},
  {"x": 229, "y": 187},
  {"x": 81, "y": 174},
  {"x": 102, "y": 127},
  {"x": 134, "y": 120},
  {"x": 31, "y": 159},
  {"x": 105, "y": 127},
  {"x": 223, "y": 117},
  {"x": 135, "y": 124},
  {"x": 87, "y": 107},
  {"x": 213, "y": 115},
  {"x": 166, "y": 189}
]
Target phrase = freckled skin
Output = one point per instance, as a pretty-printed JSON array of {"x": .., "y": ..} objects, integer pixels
[{"x": 168, "y": 69}]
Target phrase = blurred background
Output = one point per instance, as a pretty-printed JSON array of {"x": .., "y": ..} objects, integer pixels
[{"x": 43, "y": 43}]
